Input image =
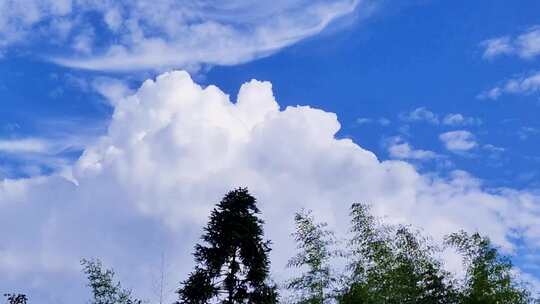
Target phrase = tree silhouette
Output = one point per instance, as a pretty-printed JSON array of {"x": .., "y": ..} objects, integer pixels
[
  {"x": 314, "y": 286},
  {"x": 489, "y": 278},
  {"x": 104, "y": 289},
  {"x": 16, "y": 298},
  {"x": 232, "y": 263},
  {"x": 392, "y": 264}
]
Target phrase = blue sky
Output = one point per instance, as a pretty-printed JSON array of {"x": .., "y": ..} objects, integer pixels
[
  {"x": 419, "y": 55},
  {"x": 401, "y": 58},
  {"x": 448, "y": 90}
]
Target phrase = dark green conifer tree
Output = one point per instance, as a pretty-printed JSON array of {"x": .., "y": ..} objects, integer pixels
[{"x": 232, "y": 263}]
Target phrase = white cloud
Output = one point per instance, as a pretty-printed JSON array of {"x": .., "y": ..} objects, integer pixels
[
  {"x": 525, "y": 45},
  {"x": 529, "y": 84},
  {"x": 526, "y": 85},
  {"x": 458, "y": 141},
  {"x": 493, "y": 148},
  {"x": 493, "y": 94},
  {"x": 364, "y": 120},
  {"x": 423, "y": 114},
  {"x": 110, "y": 88},
  {"x": 384, "y": 121},
  {"x": 28, "y": 145},
  {"x": 381, "y": 121},
  {"x": 174, "y": 148},
  {"x": 399, "y": 149},
  {"x": 420, "y": 114},
  {"x": 497, "y": 46},
  {"x": 529, "y": 43},
  {"x": 34, "y": 156},
  {"x": 527, "y": 131},
  {"x": 83, "y": 42},
  {"x": 46, "y": 145},
  {"x": 136, "y": 35},
  {"x": 456, "y": 119},
  {"x": 531, "y": 282}
]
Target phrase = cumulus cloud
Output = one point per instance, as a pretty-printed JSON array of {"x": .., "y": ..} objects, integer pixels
[
  {"x": 173, "y": 149},
  {"x": 143, "y": 34},
  {"x": 456, "y": 119},
  {"x": 458, "y": 141},
  {"x": 525, "y": 85},
  {"x": 420, "y": 114},
  {"x": 423, "y": 114},
  {"x": 400, "y": 149},
  {"x": 526, "y": 45}
]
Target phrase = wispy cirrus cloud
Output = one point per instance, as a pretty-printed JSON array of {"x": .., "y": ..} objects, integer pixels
[
  {"x": 140, "y": 35},
  {"x": 29, "y": 157},
  {"x": 382, "y": 121},
  {"x": 56, "y": 145},
  {"x": 27, "y": 145}
]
